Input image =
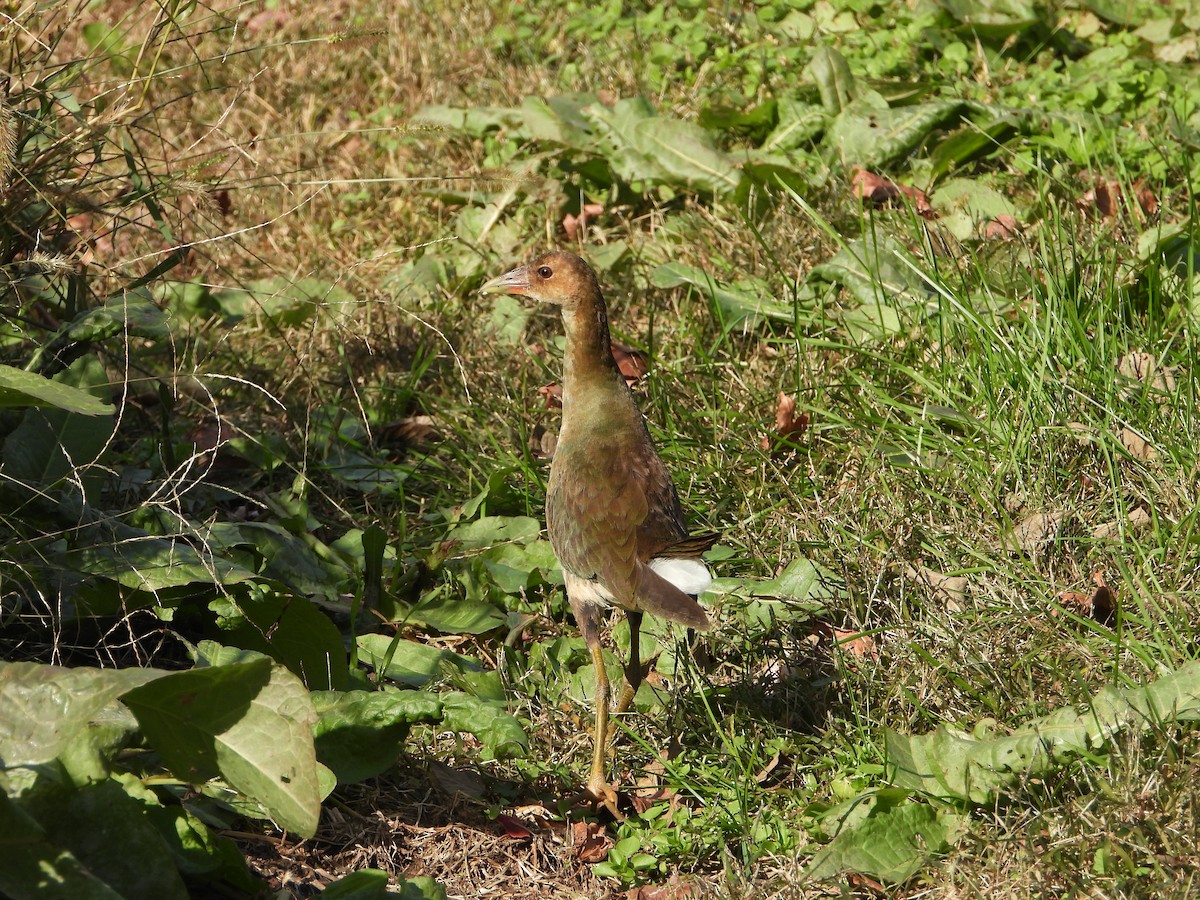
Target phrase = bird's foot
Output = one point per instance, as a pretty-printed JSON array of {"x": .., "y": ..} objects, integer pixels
[{"x": 599, "y": 793}]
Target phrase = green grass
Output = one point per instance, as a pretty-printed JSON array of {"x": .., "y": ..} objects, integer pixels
[{"x": 956, "y": 386}]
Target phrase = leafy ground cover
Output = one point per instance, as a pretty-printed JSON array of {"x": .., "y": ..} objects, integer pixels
[{"x": 908, "y": 294}]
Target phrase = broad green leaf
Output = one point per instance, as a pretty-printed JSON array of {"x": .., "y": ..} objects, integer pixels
[
  {"x": 686, "y": 155},
  {"x": 970, "y": 143},
  {"x": 285, "y": 301},
  {"x": 107, "y": 830},
  {"x": 200, "y": 853},
  {"x": 365, "y": 884},
  {"x": 475, "y": 121},
  {"x": 36, "y": 866},
  {"x": 737, "y": 303},
  {"x": 798, "y": 124},
  {"x": 881, "y": 277},
  {"x": 976, "y": 768},
  {"x": 889, "y": 837},
  {"x": 44, "y": 709},
  {"x": 802, "y": 579},
  {"x": 615, "y": 130},
  {"x": 559, "y": 120},
  {"x": 488, "y": 531},
  {"x": 505, "y": 319},
  {"x": 964, "y": 204},
  {"x": 450, "y": 614},
  {"x": 297, "y": 635},
  {"x": 863, "y": 134},
  {"x": 154, "y": 564},
  {"x": 360, "y": 734},
  {"x": 993, "y": 20},
  {"x": 410, "y": 662},
  {"x": 515, "y": 567},
  {"x": 829, "y": 70},
  {"x": 21, "y": 388},
  {"x": 250, "y": 722},
  {"x": 365, "y": 473},
  {"x": 499, "y": 732},
  {"x": 132, "y": 312},
  {"x": 288, "y": 558},
  {"x": 52, "y": 444}
]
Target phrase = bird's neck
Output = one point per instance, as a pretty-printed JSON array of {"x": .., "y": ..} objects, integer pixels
[{"x": 589, "y": 361}]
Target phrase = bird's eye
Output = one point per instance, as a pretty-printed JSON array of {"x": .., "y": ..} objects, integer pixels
[{"x": 545, "y": 272}]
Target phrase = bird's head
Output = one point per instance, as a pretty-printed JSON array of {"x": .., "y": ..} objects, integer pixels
[{"x": 559, "y": 278}]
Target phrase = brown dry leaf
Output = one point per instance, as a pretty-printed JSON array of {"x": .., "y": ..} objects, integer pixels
[
  {"x": 632, "y": 364},
  {"x": 405, "y": 433},
  {"x": 787, "y": 424},
  {"x": 856, "y": 643},
  {"x": 1002, "y": 228},
  {"x": 650, "y": 789},
  {"x": 1106, "y": 197},
  {"x": 950, "y": 588},
  {"x": 590, "y": 842},
  {"x": 267, "y": 20},
  {"x": 1139, "y": 520},
  {"x": 1138, "y": 446},
  {"x": 576, "y": 226},
  {"x": 455, "y": 781},
  {"x": 1147, "y": 199},
  {"x": 1137, "y": 365},
  {"x": 674, "y": 889},
  {"x": 513, "y": 828},
  {"x": 883, "y": 191},
  {"x": 1099, "y": 605},
  {"x": 543, "y": 442},
  {"x": 1034, "y": 534},
  {"x": 764, "y": 773},
  {"x": 552, "y": 395}
]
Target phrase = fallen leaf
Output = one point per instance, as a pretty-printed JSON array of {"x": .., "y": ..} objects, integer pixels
[
  {"x": 674, "y": 889},
  {"x": 765, "y": 772},
  {"x": 1099, "y": 605},
  {"x": 411, "y": 432},
  {"x": 1034, "y": 534},
  {"x": 456, "y": 781},
  {"x": 883, "y": 191},
  {"x": 1142, "y": 367},
  {"x": 1138, "y": 446},
  {"x": 950, "y": 588},
  {"x": 1105, "y": 199},
  {"x": 590, "y": 842},
  {"x": 543, "y": 442},
  {"x": 856, "y": 643},
  {"x": 1002, "y": 228},
  {"x": 576, "y": 225},
  {"x": 267, "y": 20},
  {"x": 631, "y": 363},
  {"x": 1147, "y": 199},
  {"x": 513, "y": 828},
  {"x": 788, "y": 425}
]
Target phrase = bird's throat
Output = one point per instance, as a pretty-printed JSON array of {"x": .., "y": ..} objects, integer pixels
[{"x": 588, "y": 360}]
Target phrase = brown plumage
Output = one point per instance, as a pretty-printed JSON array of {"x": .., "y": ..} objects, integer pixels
[{"x": 612, "y": 512}]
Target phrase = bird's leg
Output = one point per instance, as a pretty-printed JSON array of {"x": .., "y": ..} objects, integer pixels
[
  {"x": 598, "y": 787},
  {"x": 633, "y": 669}
]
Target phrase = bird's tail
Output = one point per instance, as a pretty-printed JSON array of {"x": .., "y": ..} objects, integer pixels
[{"x": 658, "y": 596}]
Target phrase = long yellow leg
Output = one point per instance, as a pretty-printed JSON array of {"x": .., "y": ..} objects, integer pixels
[{"x": 598, "y": 785}]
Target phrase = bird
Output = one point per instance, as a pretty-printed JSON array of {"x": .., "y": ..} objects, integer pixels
[{"x": 613, "y": 513}]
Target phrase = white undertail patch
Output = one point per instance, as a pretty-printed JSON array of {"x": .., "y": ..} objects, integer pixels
[{"x": 689, "y": 575}]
